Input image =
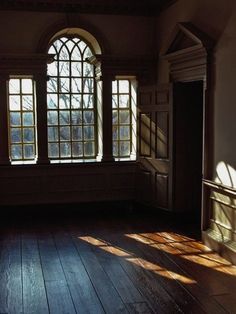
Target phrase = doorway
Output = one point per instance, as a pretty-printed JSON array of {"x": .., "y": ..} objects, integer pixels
[{"x": 187, "y": 147}]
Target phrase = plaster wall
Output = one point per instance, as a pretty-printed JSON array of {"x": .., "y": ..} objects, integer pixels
[
  {"x": 21, "y": 32},
  {"x": 217, "y": 19}
]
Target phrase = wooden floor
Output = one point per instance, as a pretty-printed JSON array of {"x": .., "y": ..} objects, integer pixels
[{"x": 110, "y": 263}]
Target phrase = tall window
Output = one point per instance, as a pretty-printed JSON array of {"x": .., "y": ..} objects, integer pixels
[
  {"x": 22, "y": 128},
  {"x": 71, "y": 101},
  {"x": 124, "y": 118}
]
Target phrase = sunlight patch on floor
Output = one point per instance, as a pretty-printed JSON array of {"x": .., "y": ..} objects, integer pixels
[
  {"x": 181, "y": 246},
  {"x": 143, "y": 263}
]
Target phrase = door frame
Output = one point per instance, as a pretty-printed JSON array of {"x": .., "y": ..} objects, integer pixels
[{"x": 189, "y": 54}]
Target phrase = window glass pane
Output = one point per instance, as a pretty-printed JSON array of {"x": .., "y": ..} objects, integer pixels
[
  {"x": 16, "y": 152},
  {"x": 89, "y": 149},
  {"x": 57, "y": 44},
  {"x": 77, "y": 149},
  {"x": 52, "y": 69},
  {"x": 88, "y": 70},
  {"x": 64, "y": 101},
  {"x": 77, "y": 134},
  {"x": 52, "y": 50},
  {"x": 64, "y": 85},
  {"x": 124, "y": 132},
  {"x": 124, "y": 148},
  {"x": 76, "y": 54},
  {"x": 87, "y": 53},
  {"x": 88, "y": 101},
  {"x": 88, "y": 132},
  {"x": 27, "y": 86},
  {"x": 16, "y": 135},
  {"x": 124, "y": 101},
  {"x": 53, "y": 134},
  {"x": 65, "y": 133},
  {"x": 52, "y": 117},
  {"x": 76, "y": 101},
  {"x": 65, "y": 149},
  {"x": 28, "y": 135},
  {"x": 27, "y": 102},
  {"x": 115, "y": 148},
  {"x": 15, "y": 118},
  {"x": 88, "y": 85},
  {"x": 115, "y": 132},
  {"x": 28, "y": 151},
  {"x": 76, "y": 69},
  {"x": 76, "y": 85},
  {"x": 53, "y": 150},
  {"x": 114, "y": 101},
  {"x": 124, "y": 117},
  {"x": 64, "y": 117},
  {"x": 114, "y": 87},
  {"x": 64, "y": 54},
  {"x": 52, "y": 101},
  {"x": 64, "y": 68},
  {"x": 115, "y": 116},
  {"x": 52, "y": 85},
  {"x": 70, "y": 45},
  {"x": 88, "y": 117},
  {"x": 14, "y": 86},
  {"x": 76, "y": 117},
  {"x": 28, "y": 118},
  {"x": 15, "y": 103},
  {"x": 82, "y": 46},
  {"x": 123, "y": 86}
]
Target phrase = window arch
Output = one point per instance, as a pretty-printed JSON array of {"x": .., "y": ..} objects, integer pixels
[{"x": 71, "y": 100}]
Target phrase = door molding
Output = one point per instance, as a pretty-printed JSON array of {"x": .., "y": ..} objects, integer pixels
[{"x": 189, "y": 53}]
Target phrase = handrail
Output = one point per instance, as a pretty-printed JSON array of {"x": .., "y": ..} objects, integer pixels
[{"x": 220, "y": 187}]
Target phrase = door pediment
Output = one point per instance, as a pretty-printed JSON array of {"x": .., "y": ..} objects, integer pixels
[
  {"x": 187, "y": 52},
  {"x": 187, "y": 37}
]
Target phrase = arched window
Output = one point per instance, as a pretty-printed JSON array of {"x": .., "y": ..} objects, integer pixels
[{"x": 71, "y": 101}]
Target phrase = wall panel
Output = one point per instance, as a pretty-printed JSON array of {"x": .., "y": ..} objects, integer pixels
[{"x": 67, "y": 183}]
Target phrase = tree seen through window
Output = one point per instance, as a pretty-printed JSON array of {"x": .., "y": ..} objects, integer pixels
[
  {"x": 71, "y": 101},
  {"x": 22, "y": 126}
]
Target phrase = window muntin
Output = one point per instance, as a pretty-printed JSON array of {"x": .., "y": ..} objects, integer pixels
[
  {"x": 121, "y": 118},
  {"x": 71, "y": 101},
  {"x": 21, "y": 122}
]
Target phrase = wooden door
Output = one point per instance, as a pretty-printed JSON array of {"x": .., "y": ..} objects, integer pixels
[{"x": 154, "y": 184}]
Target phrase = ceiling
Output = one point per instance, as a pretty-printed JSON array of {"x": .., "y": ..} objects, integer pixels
[{"x": 120, "y": 7}]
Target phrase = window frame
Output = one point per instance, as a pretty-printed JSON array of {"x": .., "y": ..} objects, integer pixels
[
  {"x": 21, "y": 125},
  {"x": 84, "y": 157},
  {"x": 132, "y": 117}
]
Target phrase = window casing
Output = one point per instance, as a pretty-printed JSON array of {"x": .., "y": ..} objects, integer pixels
[
  {"x": 22, "y": 120},
  {"x": 71, "y": 101},
  {"x": 74, "y": 125}
]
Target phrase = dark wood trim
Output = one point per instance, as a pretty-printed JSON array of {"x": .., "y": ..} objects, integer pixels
[{"x": 116, "y": 7}]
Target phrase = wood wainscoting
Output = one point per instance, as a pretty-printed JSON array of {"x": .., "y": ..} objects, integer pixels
[{"x": 67, "y": 183}]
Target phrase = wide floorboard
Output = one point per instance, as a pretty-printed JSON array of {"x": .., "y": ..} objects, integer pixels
[{"x": 108, "y": 262}]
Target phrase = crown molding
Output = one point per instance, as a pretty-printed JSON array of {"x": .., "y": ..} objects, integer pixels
[{"x": 116, "y": 7}]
